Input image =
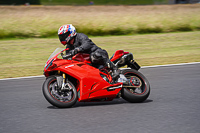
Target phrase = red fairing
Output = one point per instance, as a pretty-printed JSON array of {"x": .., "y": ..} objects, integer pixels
[
  {"x": 71, "y": 79},
  {"x": 118, "y": 54},
  {"x": 90, "y": 85},
  {"x": 82, "y": 57}
]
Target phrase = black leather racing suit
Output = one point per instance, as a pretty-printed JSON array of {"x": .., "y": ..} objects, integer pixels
[{"x": 98, "y": 56}]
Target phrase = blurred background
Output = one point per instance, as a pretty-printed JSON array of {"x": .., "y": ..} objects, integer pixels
[
  {"x": 155, "y": 31},
  {"x": 96, "y": 2},
  {"x": 40, "y": 18}
]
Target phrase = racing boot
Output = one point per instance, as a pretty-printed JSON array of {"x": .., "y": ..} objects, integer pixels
[{"x": 115, "y": 70}]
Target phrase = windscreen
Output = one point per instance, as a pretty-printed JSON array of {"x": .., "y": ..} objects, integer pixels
[{"x": 55, "y": 52}]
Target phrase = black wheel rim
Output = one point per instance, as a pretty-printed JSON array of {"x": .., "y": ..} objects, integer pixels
[
  {"x": 136, "y": 84},
  {"x": 64, "y": 96}
]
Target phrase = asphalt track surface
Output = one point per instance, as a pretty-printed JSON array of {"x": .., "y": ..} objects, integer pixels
[{"x": 172, "y": 107}]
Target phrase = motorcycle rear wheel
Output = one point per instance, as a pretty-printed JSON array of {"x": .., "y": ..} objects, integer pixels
[
  {"x": 138, "y": 89},
  {"x": 57, "y": 97}
]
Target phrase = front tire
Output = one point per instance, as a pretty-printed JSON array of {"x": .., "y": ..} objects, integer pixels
[
  {"x": 60, "y": 98},
  {"x": 137, "y": 89}
]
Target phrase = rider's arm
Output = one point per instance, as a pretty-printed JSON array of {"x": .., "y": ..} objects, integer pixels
[
  {"x": 70, "y": 48},
  {"x": 86, "y": 44}
]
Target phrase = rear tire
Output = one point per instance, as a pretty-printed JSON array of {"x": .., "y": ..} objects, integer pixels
[
  {"x": 138, "y": 89},
  {"x": 57, "y": 97}
]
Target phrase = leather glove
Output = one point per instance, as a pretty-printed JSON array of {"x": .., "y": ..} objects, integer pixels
[
  {"x": 74, "y": 51},
  {"x": 68, "y": 56}
]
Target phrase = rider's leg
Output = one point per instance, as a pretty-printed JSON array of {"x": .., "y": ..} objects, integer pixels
[
  {"x": 100, "y": 57},
  {"x": 115, "y": 70}
]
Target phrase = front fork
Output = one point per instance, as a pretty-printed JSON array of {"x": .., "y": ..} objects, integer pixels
[{"x": 63, "y": 82}]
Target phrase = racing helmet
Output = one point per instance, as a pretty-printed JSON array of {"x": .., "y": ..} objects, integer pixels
[{"x": 66, "y": 33}]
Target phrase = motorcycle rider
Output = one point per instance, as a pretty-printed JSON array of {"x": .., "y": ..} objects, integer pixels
[{"x": 80, "y": 43}]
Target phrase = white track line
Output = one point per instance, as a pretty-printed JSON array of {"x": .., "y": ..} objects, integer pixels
[
  {"x": 23, "y": 77},
  {"x": 181, "y": 64},
  {"x": 192, "y": 63}
]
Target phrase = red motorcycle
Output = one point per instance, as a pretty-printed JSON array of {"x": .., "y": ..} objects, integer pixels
[{"x": 72, "y": 79}]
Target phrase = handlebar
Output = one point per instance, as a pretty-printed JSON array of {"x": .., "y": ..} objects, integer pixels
[{"x": 66, "y": 56}]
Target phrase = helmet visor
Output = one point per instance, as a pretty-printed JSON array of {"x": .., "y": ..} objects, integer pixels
[{"x": 63, "y": 37}]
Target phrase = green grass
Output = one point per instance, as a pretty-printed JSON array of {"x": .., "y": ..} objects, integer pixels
[
  {"x": 26, "y": 57},
  {"x": 44, "y": 21}
]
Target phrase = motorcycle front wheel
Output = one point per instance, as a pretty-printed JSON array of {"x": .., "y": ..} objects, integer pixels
[
  {"x": 61, "y": 98},
  {"x": 137, "y": 88}
]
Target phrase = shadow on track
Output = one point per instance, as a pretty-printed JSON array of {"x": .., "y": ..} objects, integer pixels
[{"x": 105, "y": 103}]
